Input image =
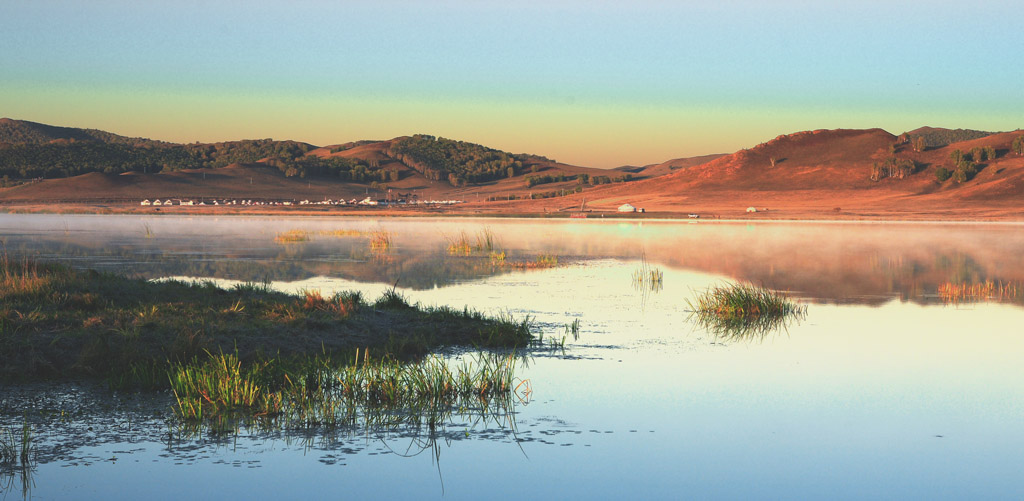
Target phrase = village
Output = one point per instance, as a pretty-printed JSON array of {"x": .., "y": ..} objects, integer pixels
[{"x": 368, "y": 201}]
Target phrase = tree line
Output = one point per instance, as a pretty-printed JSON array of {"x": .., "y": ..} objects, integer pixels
[
  {"x": 52, "y": 160},
  {"x": 458, "y": 162}
]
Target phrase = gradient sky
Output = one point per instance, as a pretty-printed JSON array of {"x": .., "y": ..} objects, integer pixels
[{"x": 586, "y": 82}]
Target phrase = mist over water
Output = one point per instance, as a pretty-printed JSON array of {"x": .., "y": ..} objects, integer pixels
[{"x": 883, "y": 389}]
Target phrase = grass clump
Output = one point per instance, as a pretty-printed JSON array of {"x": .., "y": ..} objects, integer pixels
[
  {"x": 743, "y": 310},
  {"x": 647, "y": 278},
  {"x": 17, "y": 446},
  {"x": 292, "y": 236},
  {"x": 380, "y": 241},
  {"x": 989, "y": 290},
  {"x": 321, "y": 391},
  {"x": 460, "y": 245}
]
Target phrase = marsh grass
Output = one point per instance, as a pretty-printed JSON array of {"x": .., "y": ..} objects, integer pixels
[
  {"x": 380, "y": 241},
  {"x": 744, "y": 311},
  {"x": 342, "y": 233},
  {"x": 292, "y": 237},
  {"x": 17, "y": 446},
  {"x": 989, "y": 290},
  {"x": 647, "y": 278},
  {"x": 61, "y": 323},
  {"x": 461, "y": 245},
  {"x": 322, "y": 391},
  {"x": 538, "y": 262}
]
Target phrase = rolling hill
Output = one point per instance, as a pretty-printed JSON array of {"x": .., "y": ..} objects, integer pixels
[{"x": 821, "y": 173}]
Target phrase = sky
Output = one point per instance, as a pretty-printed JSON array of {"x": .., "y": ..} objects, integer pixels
[{"x": 593, "y": 83}]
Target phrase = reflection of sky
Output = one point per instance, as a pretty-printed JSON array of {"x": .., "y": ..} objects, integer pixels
[{"x": 849, "y": 402}]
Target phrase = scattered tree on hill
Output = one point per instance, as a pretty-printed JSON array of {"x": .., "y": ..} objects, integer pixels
[
  {"x": 898, "y": 168},
  {"x": 919, "y": 144},
  {"x": 903, "y": 138},
  {"x": 965, "y": 171},
  {"x": 772, "y": 160},
  {"x": 956, "y": 156},
  {"x": 1018, "y": 145},
  {"x": 942, "y": 174}
]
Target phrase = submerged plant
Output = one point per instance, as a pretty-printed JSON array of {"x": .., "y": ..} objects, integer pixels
[{"x": 743, "y": 310}]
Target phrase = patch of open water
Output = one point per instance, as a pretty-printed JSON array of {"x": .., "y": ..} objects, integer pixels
[{"x": 883, "y": 390}]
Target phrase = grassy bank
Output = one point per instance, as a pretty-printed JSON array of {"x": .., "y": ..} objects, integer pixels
[{"x": 56, "y": 322}]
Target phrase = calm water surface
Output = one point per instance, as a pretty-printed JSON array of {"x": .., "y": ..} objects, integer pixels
[{"x": 883, "y": 390}]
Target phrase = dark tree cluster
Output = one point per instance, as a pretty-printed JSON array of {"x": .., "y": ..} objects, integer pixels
[
  {"x": 897, "y": 168},
  {"x": 66, "y": 159},
  {"x": 458, "y": 162}
]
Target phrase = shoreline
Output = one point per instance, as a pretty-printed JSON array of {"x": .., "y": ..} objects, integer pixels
[{"x": 777, "y": 215}]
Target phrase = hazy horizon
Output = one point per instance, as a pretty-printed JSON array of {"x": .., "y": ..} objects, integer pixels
[{"x": 593, "y": 83}]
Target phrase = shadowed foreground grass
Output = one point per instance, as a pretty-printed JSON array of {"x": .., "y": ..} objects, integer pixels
[{"x": 56, "y": 322}]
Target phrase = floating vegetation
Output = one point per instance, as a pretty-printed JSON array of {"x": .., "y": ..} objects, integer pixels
[
  {"x": 380, "y": 241},
  {"x": 744, "y": 311},
  {"x": 987, "y": 291},
  {"x": 485, "y": 245},
  {"x": 541, "y": 261},
  {"x": 147, "y": 230},
  {"x": 341, "y": 233},
  {"x": 292, "y": 236},
  {"x": 460, "y": 244},
  {"x": 572, "y": 329}
]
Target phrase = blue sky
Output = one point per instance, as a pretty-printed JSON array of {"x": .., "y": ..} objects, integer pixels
[{"x": 594, "y": 83}]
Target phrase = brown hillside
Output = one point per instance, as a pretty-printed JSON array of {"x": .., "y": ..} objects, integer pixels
[{"x": 675, "y": 164}]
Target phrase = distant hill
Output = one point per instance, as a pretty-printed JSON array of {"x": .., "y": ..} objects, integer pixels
[
  {"x": 818, "y": 169},
  {"x": 25, "y": 132},
  {"x": 935, "y": 137}
]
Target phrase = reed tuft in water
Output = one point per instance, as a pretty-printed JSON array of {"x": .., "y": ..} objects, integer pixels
[
  {"x": 985, "y": 291},
  {"x": 292, "y": 236},
  {"x": 743, "y": 310}
]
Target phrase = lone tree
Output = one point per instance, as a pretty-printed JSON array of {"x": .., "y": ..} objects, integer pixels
[
  {"x": 1018, "y": 145},
  {"x": 772, "y": 160}
]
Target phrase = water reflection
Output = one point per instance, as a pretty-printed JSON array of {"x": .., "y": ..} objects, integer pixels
[
  {"x": 87, "y": 425},
  {"x": 834, "y": 263}
]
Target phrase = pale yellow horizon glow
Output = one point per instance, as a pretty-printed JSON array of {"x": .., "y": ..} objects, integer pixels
[{"x": 593, "y": 135}]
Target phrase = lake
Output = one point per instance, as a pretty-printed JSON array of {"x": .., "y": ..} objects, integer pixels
[{"x": 887, "y": 387}]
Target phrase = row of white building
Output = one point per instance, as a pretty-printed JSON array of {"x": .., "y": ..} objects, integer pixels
[{"x": 365, "y": 201}]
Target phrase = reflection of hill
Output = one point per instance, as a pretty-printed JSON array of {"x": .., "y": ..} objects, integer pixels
[
  {"x": 860, "y": 263},
  {"x": 350, "y": 260}
]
